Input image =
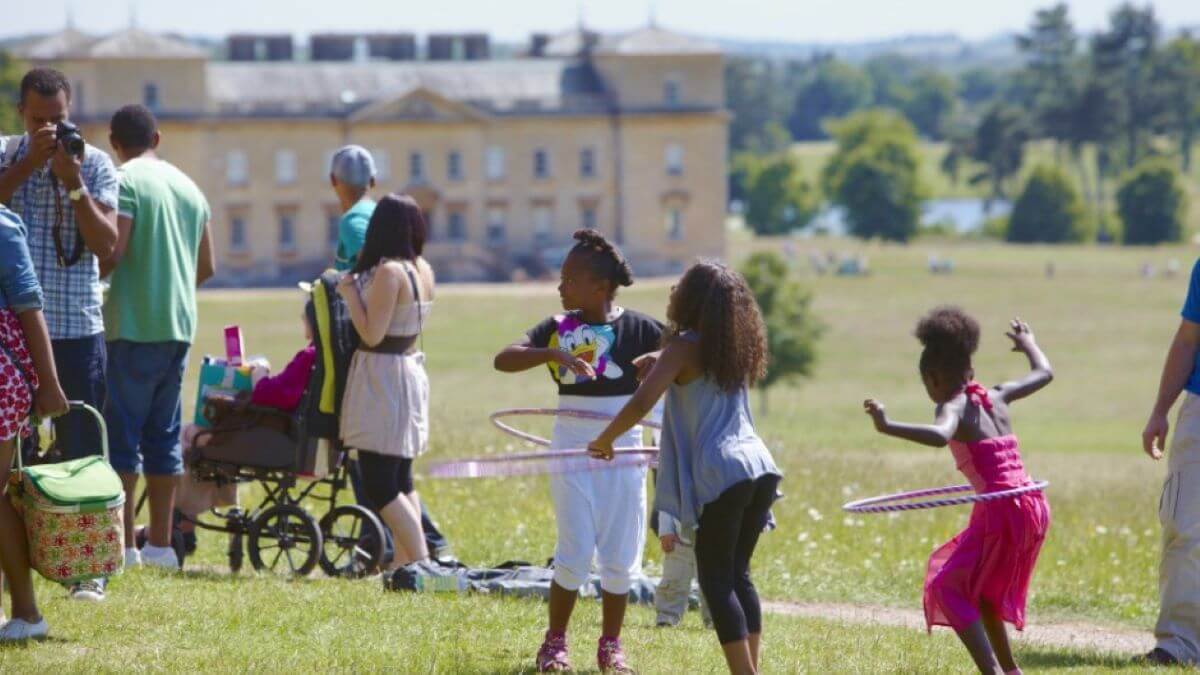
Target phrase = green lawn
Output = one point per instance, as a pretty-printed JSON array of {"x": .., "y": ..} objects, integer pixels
[{"x": 1105, "y": 328}]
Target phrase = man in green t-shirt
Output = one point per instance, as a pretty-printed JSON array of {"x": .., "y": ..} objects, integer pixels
[
  {"x": 163, "y": 252},
  {"x": 352, "y": 176}
]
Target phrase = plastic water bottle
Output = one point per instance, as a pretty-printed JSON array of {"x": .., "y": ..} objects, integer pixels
[{"x": 431, "y": 583}]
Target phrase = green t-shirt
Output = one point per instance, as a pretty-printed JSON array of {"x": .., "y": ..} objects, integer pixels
[
  {"x": 152, "y": 297},
  {"x": 352, "y": 232}
]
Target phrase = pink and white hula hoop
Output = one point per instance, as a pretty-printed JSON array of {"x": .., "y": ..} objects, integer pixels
[
  {"x": 896, "y": 502},
  {"x": 553, "y": 461},
  {"x": 551, "y": 412}
]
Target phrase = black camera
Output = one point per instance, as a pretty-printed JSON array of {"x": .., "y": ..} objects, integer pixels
[{"x": 69, "y": 138}]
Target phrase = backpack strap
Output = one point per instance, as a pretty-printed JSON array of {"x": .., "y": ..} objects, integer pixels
[{"x": 416, "y": 289}]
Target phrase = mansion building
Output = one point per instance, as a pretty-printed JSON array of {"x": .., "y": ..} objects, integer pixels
[{"x": 624, "y": 133}]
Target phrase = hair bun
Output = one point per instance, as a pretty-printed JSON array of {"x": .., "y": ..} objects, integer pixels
[{"x": 949, "y": 329}]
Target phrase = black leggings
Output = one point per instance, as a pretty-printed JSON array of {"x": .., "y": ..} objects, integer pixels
[
  {"x": 384, "y": 477},
  {"x": 725, "y": 541}
]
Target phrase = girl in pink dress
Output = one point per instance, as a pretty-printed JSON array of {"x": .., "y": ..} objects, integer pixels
[{"x": 978, "y": 580}]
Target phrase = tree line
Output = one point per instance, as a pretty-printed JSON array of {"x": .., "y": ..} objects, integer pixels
[{"x": 1121, "y": 108}]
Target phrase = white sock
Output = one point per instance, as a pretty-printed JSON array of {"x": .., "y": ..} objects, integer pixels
[{"x": 156, "y": 551}]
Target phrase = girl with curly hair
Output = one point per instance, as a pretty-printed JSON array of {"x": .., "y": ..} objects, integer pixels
[
  {"x": 591, "y": 350},
  {"x": 715, "y": 476},
  {"x": 979, "y": 579}
]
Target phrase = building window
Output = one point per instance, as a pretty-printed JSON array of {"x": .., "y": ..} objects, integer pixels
[
  {"x": 237, "y": 167},
  {"x": 237, "y": 233},
  {"x": 454, "y": 169},
  {"x": 497, "y": 228},
  {"x": 543, "y": 223},
  {"x": 150, "y": 95},
  {"x": 541, "y": 163},
  {"x": 587, "y": 163},
  {"x": 672, "y": 90},
  {"x": 287, "y": 231},
  {"x": 383, "y": 165},
  {"x": 416, "y": 167},
  {"x": 494, "y": 163},
  {"x": 587, "y": 216},
  {"x": 285, "y": 167},
  {"x": 674, "y": 223},
  {"x": 456, "y": 225},
  {"x": 673, "y": 157}
]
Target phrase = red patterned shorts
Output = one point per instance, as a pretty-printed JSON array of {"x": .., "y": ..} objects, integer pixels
[{"x": 17, "y": 380}]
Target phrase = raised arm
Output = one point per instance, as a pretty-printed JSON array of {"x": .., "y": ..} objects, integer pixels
[
  {"x": 936, "y": 435},
  {"x": 1040, "y": 375},
  {"x": 666, "y": 369}
]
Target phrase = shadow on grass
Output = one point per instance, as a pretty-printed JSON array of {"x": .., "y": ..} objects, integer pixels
[
  {"x": 1031, "y": 659},
  {"x": 25, "y": 644}
]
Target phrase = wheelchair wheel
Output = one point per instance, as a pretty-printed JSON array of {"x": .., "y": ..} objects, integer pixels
[
  {"x": 286, "y": 540},
  {"x": 352, "y": 542}
]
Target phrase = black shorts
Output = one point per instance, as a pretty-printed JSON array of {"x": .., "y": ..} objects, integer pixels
[{"x": 384, "y": 477}]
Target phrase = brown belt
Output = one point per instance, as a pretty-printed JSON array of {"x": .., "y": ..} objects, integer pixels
[{"x": 392, "y": 344}]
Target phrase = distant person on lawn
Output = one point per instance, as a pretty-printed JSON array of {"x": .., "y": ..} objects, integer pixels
[{"x": 164, "y": 251}]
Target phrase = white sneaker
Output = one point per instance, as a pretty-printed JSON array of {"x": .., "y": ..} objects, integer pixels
[
  {"x": 133, "y": 558},
  {"x": 153, "y": 556},
  {"x": 91, "y": 590},
  {"x": 19, "y": 630}
]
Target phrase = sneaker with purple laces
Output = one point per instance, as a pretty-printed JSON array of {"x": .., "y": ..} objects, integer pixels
[
  {"x": 552, "y": 657},
  {"x": 610, "y": 657}
]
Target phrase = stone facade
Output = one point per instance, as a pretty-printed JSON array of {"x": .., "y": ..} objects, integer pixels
[{"x": 624, "y": 133}]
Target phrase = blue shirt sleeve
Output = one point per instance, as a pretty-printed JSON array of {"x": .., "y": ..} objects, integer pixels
[
  {"x": 101, "y": 178},
  {"x": 19, "y": 287},
  {"x": 1191, "y": 306}
]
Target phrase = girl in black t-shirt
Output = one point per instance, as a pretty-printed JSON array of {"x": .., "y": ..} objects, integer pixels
[{"x": 590, "y": 351}]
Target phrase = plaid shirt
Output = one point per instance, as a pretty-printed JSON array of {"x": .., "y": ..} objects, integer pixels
[{"x": 73, "y": 295}]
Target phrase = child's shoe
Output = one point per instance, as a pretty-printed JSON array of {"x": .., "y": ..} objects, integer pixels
[
  {"x": 552, "y": 657},
  {"x": 610, "y": 657},
  {"x": 19, "y": 630}
]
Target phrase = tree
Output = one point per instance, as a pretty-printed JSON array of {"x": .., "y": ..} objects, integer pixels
[
  {"x": 892, "y": 76},
  {"x": 1180, "y": 63},
  {"x": 932, "y": 103},
  {"x": 833, "y": 89},
  {"x": 979, "y": 85},
  {"x": 999, "y": 145},
  {"x": 874, "y": 175},
  {"x": 778, "y": 197},
  {"x": 754, "y": 96},
  {"x": 1151, "y": 202},
  {"x": 1124, "y": 58},
  {"x": 1048, "y": 211},
  {"x": 11, "y": 71},
  {"x": 1050, "y": 49},
  {"x": 792, "y": 330}
]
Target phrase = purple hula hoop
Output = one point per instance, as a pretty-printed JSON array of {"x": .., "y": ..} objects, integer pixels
[{"x": 884, "y": 504}]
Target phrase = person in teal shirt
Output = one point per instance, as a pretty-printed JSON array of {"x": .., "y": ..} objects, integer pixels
[
  {"x": 164, "y": 251},
  {"x": 352, "y": 176}
]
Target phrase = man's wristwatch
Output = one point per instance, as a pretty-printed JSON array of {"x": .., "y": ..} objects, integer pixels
[{"x": 78, "y": 193}]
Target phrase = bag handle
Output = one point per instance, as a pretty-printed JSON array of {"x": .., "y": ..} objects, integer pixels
[{"x": 81, "y": 406}]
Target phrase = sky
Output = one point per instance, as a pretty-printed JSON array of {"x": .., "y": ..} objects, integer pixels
[{"x": 513, "y": 20}]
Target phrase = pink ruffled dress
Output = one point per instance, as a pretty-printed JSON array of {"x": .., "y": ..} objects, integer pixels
[{"x": 991, "y": 560}]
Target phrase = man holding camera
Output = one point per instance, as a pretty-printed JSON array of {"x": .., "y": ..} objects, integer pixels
[{"x": 66, "y": 192}]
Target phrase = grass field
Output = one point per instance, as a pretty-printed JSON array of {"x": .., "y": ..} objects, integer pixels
[{"x": 1104, "y": 327}]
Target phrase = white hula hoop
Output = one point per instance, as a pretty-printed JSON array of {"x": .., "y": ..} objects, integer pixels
[
  {"x": 552, "y": 412},
  {"x": 893, "y": 502}
]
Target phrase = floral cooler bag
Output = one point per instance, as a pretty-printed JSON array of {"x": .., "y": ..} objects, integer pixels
[{"x": 74, "y": 514}]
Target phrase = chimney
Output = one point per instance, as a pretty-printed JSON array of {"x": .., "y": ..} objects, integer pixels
[
  {"x": 440, "y": 47},
  {"x": 477, "y": 47},
  {"x": 392, "y": 46},
  {"x": 331, "y": 47},
  {"x": 537, "y": 44}
]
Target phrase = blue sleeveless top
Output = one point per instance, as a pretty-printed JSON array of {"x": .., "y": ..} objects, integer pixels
[{"x": 708, "y": 445}]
